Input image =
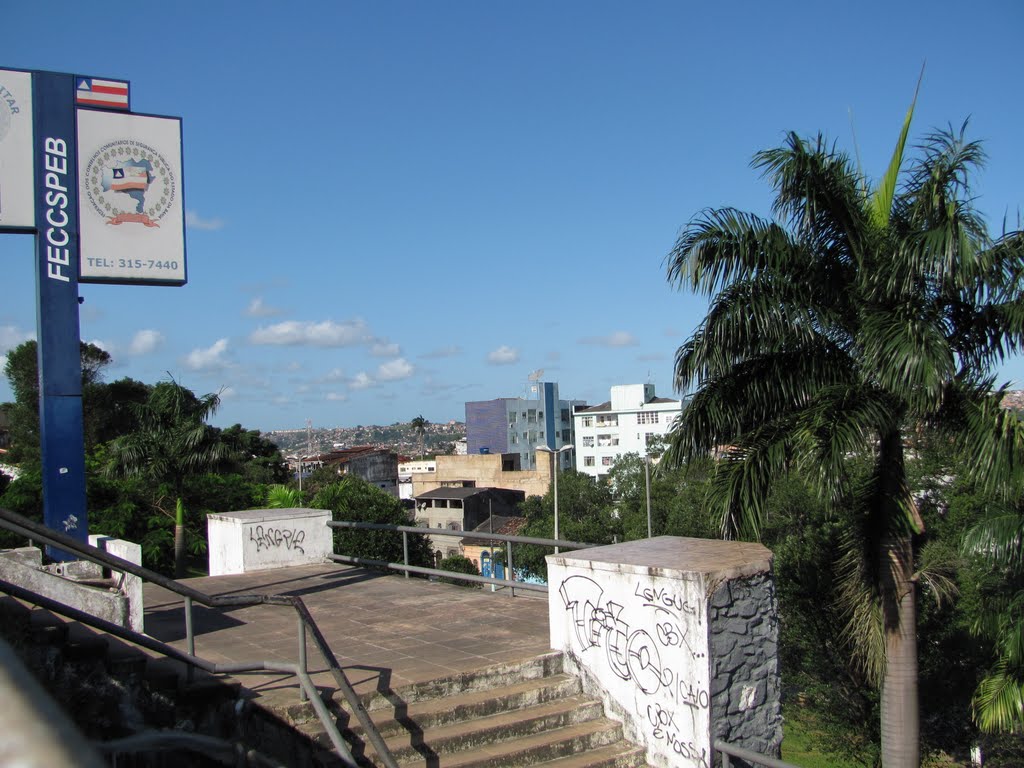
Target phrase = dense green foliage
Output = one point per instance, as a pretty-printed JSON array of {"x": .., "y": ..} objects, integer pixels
[
  {"x": 355, "y": 500},
  {"x": 147, "y": 446},
  {"x": 459, "y": 564}
]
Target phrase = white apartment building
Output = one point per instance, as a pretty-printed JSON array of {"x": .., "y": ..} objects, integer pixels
[{"x": 624, "y": 424}]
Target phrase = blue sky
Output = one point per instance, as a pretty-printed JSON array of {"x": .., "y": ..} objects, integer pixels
[{"x": 396, "y": 207}]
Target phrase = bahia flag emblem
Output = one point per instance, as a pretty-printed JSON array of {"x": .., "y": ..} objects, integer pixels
[{"x": 93, "y": 92}]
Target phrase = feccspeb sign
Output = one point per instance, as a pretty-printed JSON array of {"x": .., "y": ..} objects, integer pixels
[{"x": 131, "y": 213}]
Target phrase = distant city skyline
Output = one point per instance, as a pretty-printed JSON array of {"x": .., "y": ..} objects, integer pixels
[{"x": 395, "y": 208}]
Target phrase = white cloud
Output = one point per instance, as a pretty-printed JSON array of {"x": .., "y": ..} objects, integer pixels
[
  {"x": 361, "y": 380},
  {"x": 145, "y": 341},
  {"x": 106, "y": 346},
  {"x": 395, "y": 370},
  {"x": 382, "y": 348},
  {"x": 452, "y": 350},
  {"x": 337, "y": 397},
  {"x": 194, "y": 221},
  {"x": 617, "y": 339},
  {"x": 335, "y": 374},
  {"x": 503, "y": 355},
  {"x": 211, "y": 358},
  {"x": 257, "y": 308},
  {"x": 11, "y": 336},
  {"x": 298, "y": 333}
]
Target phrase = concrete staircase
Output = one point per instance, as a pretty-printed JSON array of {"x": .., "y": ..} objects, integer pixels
[{"x": 511, "y": 715}]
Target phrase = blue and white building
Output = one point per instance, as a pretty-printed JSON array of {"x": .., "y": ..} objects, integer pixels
[{"x": 515, "y": 426}]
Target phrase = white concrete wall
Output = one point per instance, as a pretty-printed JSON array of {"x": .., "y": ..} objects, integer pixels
[
  {"x": 131, "y": 586},
  {"x": 258, "y": 539},
  {"x": 633, "y": 619}
]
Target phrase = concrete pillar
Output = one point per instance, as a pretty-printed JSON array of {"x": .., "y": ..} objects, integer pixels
[{"x": 679, "y": 637}]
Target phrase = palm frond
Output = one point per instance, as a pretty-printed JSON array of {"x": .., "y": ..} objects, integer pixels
[
  {"x": 998, "y": 539},
  {"x": 936, "y": 571},
  {"x": 998, "y": 704},
  {"x": 882, "y": 199}
]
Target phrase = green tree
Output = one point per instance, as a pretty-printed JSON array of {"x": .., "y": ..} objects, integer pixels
[
  {"x": 586, "y": 513},
  {"x": 353, "y": 499},
  {"x": 419, "y": 426},
  {"x": 459, "y": 564},
  {"x": 998, "y": 542},
  {"x": 172, "y": 443},
  {"x": 855, "y": 313},
  {"x": 22, "y": 372}
]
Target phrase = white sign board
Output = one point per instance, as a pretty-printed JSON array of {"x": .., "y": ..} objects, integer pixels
[
  {"x": 131, "y": 212},
  {"x": 17, "y": 184}
]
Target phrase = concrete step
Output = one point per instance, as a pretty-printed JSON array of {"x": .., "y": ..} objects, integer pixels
[
  {"x": 474, "y": 704},
  {"x": 498, "y": 676},
  {"x": 484, "y": 731},
  {"x": 534, "y": 749},
  {"x": 620, "y": 754}
]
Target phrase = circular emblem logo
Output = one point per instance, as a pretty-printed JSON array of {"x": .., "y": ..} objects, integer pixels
[{"x": 129, "y": 182}]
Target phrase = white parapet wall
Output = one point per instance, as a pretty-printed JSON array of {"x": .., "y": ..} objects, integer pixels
[
  {"x": 259, "y": 539},
  {"x": 130, "y": 586},
  {"x": 680, "y": 639}
]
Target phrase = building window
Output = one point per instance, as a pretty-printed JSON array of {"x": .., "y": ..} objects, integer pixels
[
  {"x": 540, "y": 415},
  {"x": 606, "y": 461},
  {"x": 566, "y": 416},
  {"x": 608, "y": 421},
  {"x": 647, "y": 417},
  {"x": 514, "y": 440},
  {"x": 454, "y": 525},
  {"x": 512, "y": 418},
  {"x": 588, "y": 461},
  {"x": 588, "y": 421},
  {"x": 607, "y": 441},
  {"x": 588, "y": 442}
]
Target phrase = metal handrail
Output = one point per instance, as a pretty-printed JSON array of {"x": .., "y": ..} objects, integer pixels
[
  {"x": 728, "y": 750},
  {"x": 424, "y": 531},
  {"x": 32, "y": 530}
]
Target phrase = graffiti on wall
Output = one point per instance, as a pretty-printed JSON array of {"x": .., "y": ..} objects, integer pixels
[
  {"x": 644, "y": 639},
  {"x": 277, "y": 538}
]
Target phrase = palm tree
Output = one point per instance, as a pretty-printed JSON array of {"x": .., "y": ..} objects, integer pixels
[
  {"x": 851, "y": 315},
  {"x": 419, "y": 426},
  {"x": 172, "y": 443},
  {"x": 999, "y": 541}
]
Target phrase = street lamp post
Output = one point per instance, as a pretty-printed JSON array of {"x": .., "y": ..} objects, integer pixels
[{"x": 554, "y": 476}]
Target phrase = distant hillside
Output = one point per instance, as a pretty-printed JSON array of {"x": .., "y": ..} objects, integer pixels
[{"x": 399, "y": 437}]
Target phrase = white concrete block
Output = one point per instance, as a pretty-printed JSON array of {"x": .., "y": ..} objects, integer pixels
[{"x": 259, "y": 539}]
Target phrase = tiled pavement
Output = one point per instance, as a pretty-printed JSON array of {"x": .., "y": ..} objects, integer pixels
[{"x": 387, "y": 631}]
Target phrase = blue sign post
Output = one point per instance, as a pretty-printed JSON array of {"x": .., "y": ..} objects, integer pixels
[
  {"x": 60, "y": 367},
  {"x": 40, "y": 193}
]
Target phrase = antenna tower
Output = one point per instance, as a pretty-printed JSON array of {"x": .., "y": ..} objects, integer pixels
[{"x": 309, "y": 437}]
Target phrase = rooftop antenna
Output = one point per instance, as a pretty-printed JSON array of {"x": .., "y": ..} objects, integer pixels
[
  {"x": 309, "y": 437},
  {"x": 535, "y": 376}
]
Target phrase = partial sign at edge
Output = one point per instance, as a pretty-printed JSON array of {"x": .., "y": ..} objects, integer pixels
[
  {"x": 131, "y": 212},
  {"x": 17, "y": 182}
]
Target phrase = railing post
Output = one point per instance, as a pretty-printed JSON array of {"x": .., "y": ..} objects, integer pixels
[
  {"x": 405, "y": 550},
  {"x": 509, "y": 574},
  {"x": 190, "y": 638},
  {"x": 726, "y": 759},
  {"x": 302, "y": 655}
]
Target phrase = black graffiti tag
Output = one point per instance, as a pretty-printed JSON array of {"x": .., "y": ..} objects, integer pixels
[{"x": 277, "y": 538}]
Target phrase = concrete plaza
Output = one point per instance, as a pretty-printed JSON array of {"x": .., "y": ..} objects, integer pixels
[{"x": 386, "y": 631}]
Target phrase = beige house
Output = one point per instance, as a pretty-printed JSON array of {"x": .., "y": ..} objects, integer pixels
[{"x": 487, "y": 470}]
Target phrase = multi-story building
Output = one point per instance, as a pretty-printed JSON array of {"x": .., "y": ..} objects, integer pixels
[
  {"x": 519, "y": 424},
  {"x": 624, "y": 424}
]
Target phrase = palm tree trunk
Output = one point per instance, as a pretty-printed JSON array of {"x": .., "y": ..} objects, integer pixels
[
  {"x": 900, "y": 727},
  {"x": 900, "y": 718},
  {"x": 179, "y": 538}
]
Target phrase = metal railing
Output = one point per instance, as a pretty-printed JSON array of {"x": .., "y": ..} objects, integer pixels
[
  {"x": 756, "y": 758},
  {"x": 306, "y": 627},
  {"x": 405, "y": 567}
]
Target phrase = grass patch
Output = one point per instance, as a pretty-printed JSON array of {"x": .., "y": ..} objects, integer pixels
[{"x": 801, "y": 743}]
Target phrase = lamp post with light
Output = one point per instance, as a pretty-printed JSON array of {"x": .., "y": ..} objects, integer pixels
[{"x": 554, "y": 456}]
